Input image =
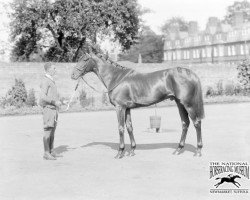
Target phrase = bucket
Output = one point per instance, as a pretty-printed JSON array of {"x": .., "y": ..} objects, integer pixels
[{"x": 155, "y": 122}]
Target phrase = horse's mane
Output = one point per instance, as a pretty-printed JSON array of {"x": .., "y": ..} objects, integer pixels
[
  {"x": 98, "y": 52},
  {"x": 107, "y": 59}
]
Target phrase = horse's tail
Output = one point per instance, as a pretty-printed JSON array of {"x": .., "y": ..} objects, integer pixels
[{"x": 198, "y": 101}]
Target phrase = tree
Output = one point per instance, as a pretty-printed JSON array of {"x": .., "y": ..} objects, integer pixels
[
  {"x": 243, "y": 6},
  {"x": 244, "y": 74},
  {"x": 149, "y": 45},
  {"x": 17, "y": 95},
  {"x": 174, "y": 24},
  {"x": 61, "y": 27},
  {"x": 31, "y": 98},
  {"x": 84, "y": 101}
]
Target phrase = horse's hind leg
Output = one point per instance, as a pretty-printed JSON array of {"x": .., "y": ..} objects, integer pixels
[
  {"x": 121, "y": 120},
  {"x": 197, "y": 125},
  {"x": 217, "y": 185},
  {"x": 130, "y": 132},
  {"x": 185, "y": 124}
]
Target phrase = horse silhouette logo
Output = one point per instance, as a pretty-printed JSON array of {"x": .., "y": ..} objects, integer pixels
[{"x": 230, "y": 179}]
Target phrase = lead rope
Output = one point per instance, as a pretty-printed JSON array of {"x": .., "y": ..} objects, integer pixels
[
  {"x": 72, "y": 96},
  {"x": 92, "y": 87}
]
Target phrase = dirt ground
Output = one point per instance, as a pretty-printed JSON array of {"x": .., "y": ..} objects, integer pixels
[{"x": 87, "y": 143}]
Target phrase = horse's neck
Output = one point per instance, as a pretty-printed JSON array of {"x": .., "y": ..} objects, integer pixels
[{"x": 107, "y": 72}]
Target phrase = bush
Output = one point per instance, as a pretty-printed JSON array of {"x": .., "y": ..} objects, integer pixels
[
  {"x": 229, "y": 88},
  {"x": 17, "y": 95},
  {"x": 84, "y": 101},
  {"x": 31, "y": 99},
  {"x": 244, "y": 74},
  {"x": 219, "y": 87},
  {"x": 210, "y": 91},
  {"x": 3, "y": 102}
]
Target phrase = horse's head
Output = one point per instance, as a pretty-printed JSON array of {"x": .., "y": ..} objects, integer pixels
[
  {"x": 236, "y": 176},
  {"x": 84, "y": 66}
]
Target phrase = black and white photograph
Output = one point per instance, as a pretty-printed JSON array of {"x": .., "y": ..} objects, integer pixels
[{"x": 124, "y": 99}]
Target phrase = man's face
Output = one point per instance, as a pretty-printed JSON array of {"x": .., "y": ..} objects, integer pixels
[{"x": 52, "y": 70}]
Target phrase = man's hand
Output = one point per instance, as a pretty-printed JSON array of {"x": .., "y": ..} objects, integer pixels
[{"x": 58, "y": 104}]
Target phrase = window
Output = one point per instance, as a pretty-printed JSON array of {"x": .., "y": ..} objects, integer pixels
[
  {"x": 244, "y": 32},
  {"x": 174, "y": 55},
  {"x": 209, "y": 51},
  {"x": 203, "y": 53},
  {"x": 187, "y": 40},
  {"x": 188, "y": 54},
  {"x": 165, "y": 56},
  {"x": 197, "y": 39},
  {"x": 178, "y": 55},
  {"x": 241, "y": 49},
  {"x": 233, "y": 50},
  {"x": 218, "y": 37},
  {"x": 229, "y": 51},
  {"x": 196, "y": 53},
  {"x": 248, "y": 30},
  {"x": 169, "y": 56},
  {"x": 215, "y": 51},
  {"x": 221, "y": 51},
  {"x": 246, "y": 49}
]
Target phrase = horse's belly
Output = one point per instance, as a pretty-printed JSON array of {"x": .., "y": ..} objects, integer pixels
[{"x": 148, "y": 97}]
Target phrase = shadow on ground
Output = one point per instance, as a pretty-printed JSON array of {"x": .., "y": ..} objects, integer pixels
[
  {"x": 115, "y": 146},
  {"x": 62, "y": 149}
]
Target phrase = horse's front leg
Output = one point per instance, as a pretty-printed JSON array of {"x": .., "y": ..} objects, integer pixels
[
  {"x": 130, "y": 132},
  {"x": 236, "y": 182},
  {"x": 235, "y": 185},
  {"x": 120, "y": 111}
]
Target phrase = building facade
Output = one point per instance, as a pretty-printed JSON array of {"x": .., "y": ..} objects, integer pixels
[{"x": 219, "y": 42}]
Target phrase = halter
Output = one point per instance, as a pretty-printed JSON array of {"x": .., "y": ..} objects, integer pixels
[
  {"x": 82, "y": 72},
  {"x": 79, "y": 68}
]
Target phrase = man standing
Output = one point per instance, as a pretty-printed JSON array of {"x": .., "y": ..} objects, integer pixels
[{"x": 49, "y": 100}]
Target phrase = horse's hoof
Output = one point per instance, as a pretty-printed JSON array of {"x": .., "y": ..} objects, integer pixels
[
  {"x": 177, "y": 151},
  {"x": 131, "y": 153},
  {"x": 119, "y": 156},
  {"x": 197, "y": 153}
]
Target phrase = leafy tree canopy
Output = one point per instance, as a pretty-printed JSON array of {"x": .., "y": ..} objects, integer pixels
[
  {"x": 149, "y": 45},
  {"x": 174, "y": 24},
  {"x": 243, "y": 6},
  {"x": 61, "y": 27}
]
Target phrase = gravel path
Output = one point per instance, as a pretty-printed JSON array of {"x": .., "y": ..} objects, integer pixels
[{"x": 87, "y": 143}]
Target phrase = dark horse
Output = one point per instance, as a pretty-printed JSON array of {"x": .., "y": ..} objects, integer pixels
[
  {"x": 230, "y": 178},
  {"x": 128, "y": 89}
]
